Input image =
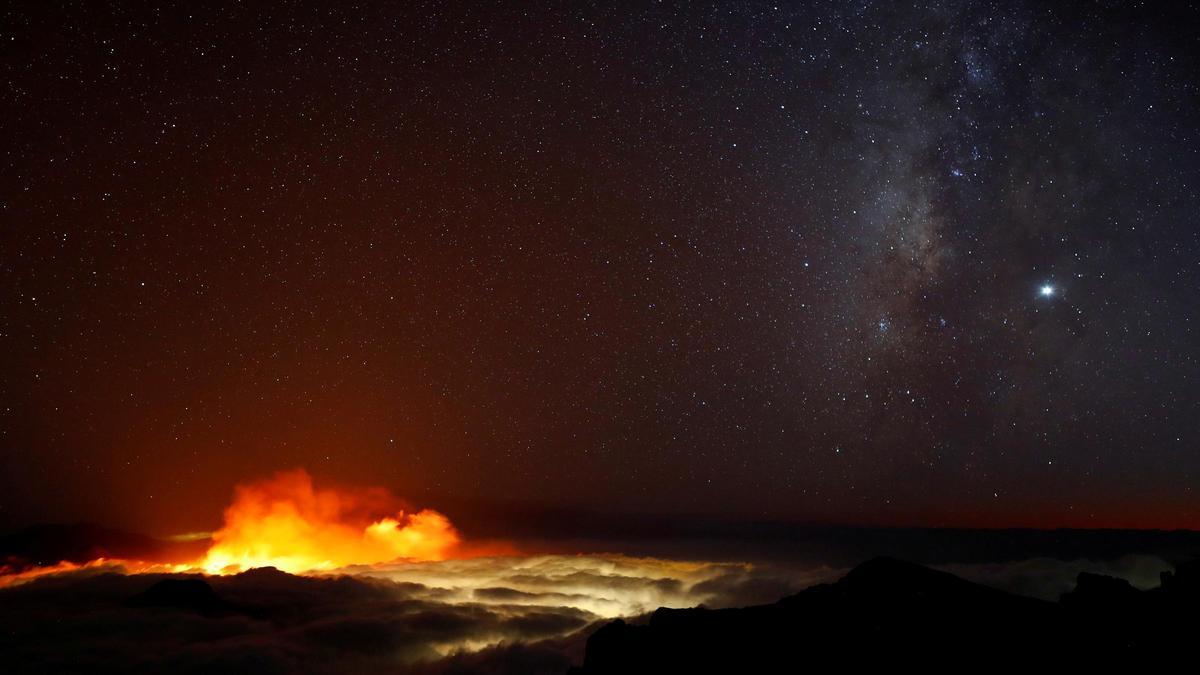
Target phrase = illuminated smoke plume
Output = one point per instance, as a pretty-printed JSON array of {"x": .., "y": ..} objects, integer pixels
[{"x": 288, "y": 523}]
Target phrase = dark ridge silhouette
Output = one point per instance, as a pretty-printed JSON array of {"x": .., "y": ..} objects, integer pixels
[
  {"x": 42, "y": 545},
  {"x": 887, "y": 612},
  {"x": 738, "y": 538},
  {"x": 193, "y": 595}
]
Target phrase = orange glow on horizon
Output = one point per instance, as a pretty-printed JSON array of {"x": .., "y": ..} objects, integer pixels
[{"x": 12, "y": 577}]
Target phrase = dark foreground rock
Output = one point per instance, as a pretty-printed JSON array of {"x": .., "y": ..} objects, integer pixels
[{"x": 888, "y": 613}]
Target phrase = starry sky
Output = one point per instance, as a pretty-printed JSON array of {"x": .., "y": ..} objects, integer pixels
[{"x": 832, "y": 262}]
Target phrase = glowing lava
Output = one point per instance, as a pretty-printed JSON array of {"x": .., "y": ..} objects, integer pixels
[{"x": 287, "y": 523}]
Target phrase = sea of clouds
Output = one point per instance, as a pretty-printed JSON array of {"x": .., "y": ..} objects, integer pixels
[{"x": 519, "y": 614}]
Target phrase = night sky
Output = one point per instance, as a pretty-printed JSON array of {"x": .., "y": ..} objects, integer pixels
[{"x": 853, "y": 263}]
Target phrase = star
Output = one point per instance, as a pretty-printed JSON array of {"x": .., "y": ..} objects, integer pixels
[{"x": 1047, "y": 291}]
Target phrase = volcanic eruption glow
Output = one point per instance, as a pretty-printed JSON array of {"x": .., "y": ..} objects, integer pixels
[
  {"x": 287, "y": 523},
  {"x": 360, "y": 562}
]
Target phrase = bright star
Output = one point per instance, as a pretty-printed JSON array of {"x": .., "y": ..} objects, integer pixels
[{"x": 1047, "y": 291}]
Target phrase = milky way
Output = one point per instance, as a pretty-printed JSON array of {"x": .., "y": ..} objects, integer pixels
[{"x": 831, "y": 262}]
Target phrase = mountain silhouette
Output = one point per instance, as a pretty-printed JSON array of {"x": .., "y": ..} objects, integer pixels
[
  {"x": 42, "y": 545},
  {"x": 188, "y": 594},
  {"x": 887, "y": 613}
]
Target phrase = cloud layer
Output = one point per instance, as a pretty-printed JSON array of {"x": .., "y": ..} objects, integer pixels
[
  {"x": 500, "y": 615},
  {"x": 517, "y": 614}
]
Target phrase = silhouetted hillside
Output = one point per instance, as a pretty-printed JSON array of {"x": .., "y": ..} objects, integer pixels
[
  {"x": 886, "y": 612},
  {"x": 41, "y": 545},
  {"x": 190, "y": 594}
]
